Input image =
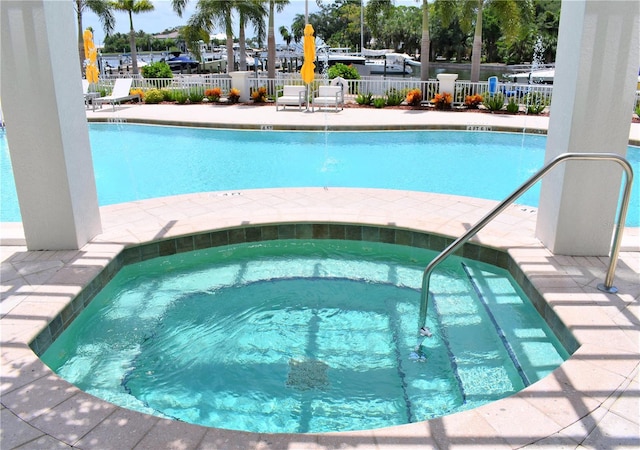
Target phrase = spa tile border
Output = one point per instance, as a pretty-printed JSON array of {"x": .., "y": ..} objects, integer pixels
[{"x": 318, "y": 230}]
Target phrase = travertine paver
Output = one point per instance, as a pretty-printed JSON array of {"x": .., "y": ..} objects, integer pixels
[{"x": 593, "y": 398}]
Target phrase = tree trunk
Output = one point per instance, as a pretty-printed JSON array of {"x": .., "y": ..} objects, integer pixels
[
  {"x": 80, "y": 36},
  {"x": 425, "y": 43},
  {"x": 230, "y": 59},
  {"x": 242, "y": 49},
  {"x": 132, "y": 44},
  {"x": 271, "y": 43},
  {"x": 476, "y": 53}
]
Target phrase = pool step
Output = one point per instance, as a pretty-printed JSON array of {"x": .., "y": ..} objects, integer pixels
[
  {"x": 534, "y": 351},
  {"x": 462, "y": 326}
]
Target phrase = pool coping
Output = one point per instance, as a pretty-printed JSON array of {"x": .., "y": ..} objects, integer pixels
[
  {"x": 592, "y": 400},
  {"x": 565, "y": 408}
]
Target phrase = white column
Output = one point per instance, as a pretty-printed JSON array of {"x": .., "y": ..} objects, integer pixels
[
  {"x": 595, "y": 79},
  {"x": 447, "y": 82},
  {"x": 46, "y": 124},
  {"x": 240, "y": 81}
]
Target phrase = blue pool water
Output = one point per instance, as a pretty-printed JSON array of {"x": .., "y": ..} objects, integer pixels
[
  {"x": 134, "y": 162},
  {"x": 304, "y": 336}
]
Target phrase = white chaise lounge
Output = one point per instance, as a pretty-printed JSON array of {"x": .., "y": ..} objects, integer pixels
[
  {"x": 291, "y": 95},
  {"x": 328, "y": 96},
  {"x": 120, "y": 93}
]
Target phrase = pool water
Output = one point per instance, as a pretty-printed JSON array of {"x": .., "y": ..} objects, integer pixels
[
  {"x": 134, "y": 162},
  {"x": 304, "y": 336}
]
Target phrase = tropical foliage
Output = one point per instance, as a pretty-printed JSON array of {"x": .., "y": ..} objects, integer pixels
[
  {"x": 159, "y": 69},
  {"x": 414, "y": 97},
  {"x": 259, "y": 95},
  {"x": 213, "y": 94},
  {"x": 473, "y": 101},
  {"x": 154, "y": 96},
  {"x": 344, "y": 71},
  {"x": 493, "y": 102},
  {"x": 132, "y": 7},
  {"x": 120, "y": 43},
  {"x": 477, "y": 30},
  {"x": 442, "y": 100},
  {"x": 234, "y": 95}
]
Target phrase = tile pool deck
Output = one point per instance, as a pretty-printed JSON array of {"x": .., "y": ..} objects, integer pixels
[{"x": 591, "y": 401}]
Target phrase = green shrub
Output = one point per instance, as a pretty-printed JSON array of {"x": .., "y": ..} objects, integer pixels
[
  {"x": 493, "y": 102},
  {"x": 395, "y": 97},
  {"x": 535, "y": 109},
  {"x": 153, "y": 96},
  {"x": 180, "y": 96},
  {"x": 168, "y": 95},
  {"x": 159, "y": 69},
  {"x": 638, "y": 109},
  {"x": 195, "y": 95},
  {"x": 513, "y": 107},
  {"x": 364, "y": 99},
  {"x": 379, "y": 102},
  {"x": 535, "y": 103},
  {"x": 344, "y": 71}
]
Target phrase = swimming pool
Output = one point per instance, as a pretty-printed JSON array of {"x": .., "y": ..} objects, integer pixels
[
  {"x": 134, "y": 162},
  {"x": 304, "y": 336}
]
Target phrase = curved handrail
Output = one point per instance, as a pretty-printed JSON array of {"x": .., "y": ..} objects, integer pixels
[{"x": 607, "y": 286}]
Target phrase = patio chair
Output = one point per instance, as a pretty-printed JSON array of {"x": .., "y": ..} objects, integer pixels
[
  {"x": 328, "y": 96},
  {"x": 291, "y": 95},
  {"x": 89, "y": 97},
  {"x": 120, "y": 93},
  {"x": 493, "y": 85}
]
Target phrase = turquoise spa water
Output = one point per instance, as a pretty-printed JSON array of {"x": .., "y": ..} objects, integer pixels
[
  {"x": 304, "y": 336},
  {"x": 134, "y": 162}
]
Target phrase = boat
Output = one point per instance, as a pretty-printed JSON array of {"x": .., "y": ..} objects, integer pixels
[
  {"x": 542, "y": 75},
  {"x": 385, "y": 62},
  {"x": 329, "y": 56},
  {"x": 534, "y": 77},
  {"x": 179, "y": 62}
]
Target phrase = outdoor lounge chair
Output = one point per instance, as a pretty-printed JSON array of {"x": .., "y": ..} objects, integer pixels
[
  {"x": 328, "y": 96},
  {"x": 120, "y": 93},
  {"x": 89, "y": 97},
  {"x": 292, "y": 95}
]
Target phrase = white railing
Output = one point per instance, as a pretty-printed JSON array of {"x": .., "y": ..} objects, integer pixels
[{"x": 377, "y": 86}]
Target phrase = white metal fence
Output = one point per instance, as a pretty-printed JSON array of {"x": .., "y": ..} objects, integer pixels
[{"x": 376, "y": 86}]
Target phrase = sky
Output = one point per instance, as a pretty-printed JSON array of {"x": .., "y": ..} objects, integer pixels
[{"x": 163, "y": 17}]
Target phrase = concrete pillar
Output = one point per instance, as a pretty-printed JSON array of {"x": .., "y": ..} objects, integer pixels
[
  {"x": 240, "y": 81},
  {"x": 46, "y": 124},
  {"x": 447, "y": 82},
  {"x": 593, "y": 94}
]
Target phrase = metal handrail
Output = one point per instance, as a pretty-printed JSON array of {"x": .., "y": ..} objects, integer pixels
[{"x": 607, "y": 286}]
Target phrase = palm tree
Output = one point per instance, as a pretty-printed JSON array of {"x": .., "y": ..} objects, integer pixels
[
  {"x": 102, "y": 9},
  {"x": 132, "y": 7},
  {"x": 252, "y": 11},
  {"x": 285, "y": 34},
  {"x": 508, "y": 13},
  {"x": 274, "y": 5},
  {"x": 208, "y": 14}
]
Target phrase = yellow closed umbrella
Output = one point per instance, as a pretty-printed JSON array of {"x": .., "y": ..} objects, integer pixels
[
  {"x": 90, "y": 54},
  {"x": 309, "y": 46}
]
